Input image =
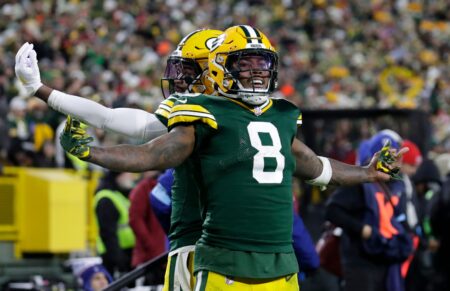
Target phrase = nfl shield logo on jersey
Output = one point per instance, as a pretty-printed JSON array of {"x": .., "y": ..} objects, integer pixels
[
  {"x": 228, "y": 281},
  {"x": 258, "y": 111}
]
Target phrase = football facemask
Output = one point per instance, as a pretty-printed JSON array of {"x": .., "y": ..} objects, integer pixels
[
  {"x": 187, "y": 64},
  {"x": 180, "y": 75},
  {"x": 251, "y": 71},
  {"x": 243, "y": 65}
]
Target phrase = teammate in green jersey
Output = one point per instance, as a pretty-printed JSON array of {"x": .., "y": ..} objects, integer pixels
[
  {"x": 246, "y": 152},
  {"x": 185, "y": 222},
  {"x": 185, "y": 72}
]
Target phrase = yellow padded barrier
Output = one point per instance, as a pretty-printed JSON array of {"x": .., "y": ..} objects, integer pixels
[{"x": 46, "y": 210}]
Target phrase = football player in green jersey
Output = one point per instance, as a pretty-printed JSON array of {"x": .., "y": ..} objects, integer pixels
[
  {"x": 185, "y": 72},
  {"x": 246, "y": 152}
]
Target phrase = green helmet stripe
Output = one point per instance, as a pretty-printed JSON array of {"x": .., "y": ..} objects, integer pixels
[{"x": 259, "y": 36}]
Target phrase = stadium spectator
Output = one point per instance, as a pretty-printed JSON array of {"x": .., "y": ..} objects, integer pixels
[
  {"x": 305, "y": 252},
  {"x": 439, "y": 220},
  {"x": 95, "y": 278},
  {"x": 115, "y": 240},
  {"x": 374, "y": 242},
  {"x": 410, "y": 164},
  {"x": 327, "y": 59},
  {"x": 20, "y": 151},
  {"x": 428, "y": 185},
  {"x": 91, "y": 273},
  {"x": 161, "y": 198},
  {"x": 150, "y": 237}
]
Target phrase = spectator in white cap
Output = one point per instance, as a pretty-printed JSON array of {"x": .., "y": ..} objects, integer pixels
[{"x": 91, "y": 273}]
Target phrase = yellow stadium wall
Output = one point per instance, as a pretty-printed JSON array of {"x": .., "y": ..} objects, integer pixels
[{"x": 47, "y": 210}]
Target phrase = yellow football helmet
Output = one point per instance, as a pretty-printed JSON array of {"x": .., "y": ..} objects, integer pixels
[
  {"x": 186, "y": 66},
  {"x": 228, "y": 64}
]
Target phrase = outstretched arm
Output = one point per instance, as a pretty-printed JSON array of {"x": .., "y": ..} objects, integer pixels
[
  {"x": 310, "y": 166},
  {"x": 166, "y": 151},
  {"x": 130, "y": 122}
]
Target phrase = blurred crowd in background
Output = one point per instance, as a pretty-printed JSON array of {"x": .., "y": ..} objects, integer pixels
[{"x": 333, "y": 54}]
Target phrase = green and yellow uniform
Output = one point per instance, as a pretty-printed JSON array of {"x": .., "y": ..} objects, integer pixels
[
  {"x": 185, "y": 221},
  {"x": 186, "y": 224},
  {"x": 245, "y": 167}
]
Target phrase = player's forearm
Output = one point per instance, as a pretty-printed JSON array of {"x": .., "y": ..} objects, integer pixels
[
  {"x": 128, "y": 158},
  {"x": 310, "y": 167},
  {"x": 341, "y": 174},
  {"x": 346, "y": 175},
  {"x": 167, "y": 151}
]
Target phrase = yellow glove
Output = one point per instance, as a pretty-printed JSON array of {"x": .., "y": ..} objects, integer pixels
[
  {"x": 386, "y": 158},
  {"x": 74, "y": 139}
]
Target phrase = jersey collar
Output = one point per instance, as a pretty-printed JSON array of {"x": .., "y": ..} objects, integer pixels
[{"x": 257, "y": 110}]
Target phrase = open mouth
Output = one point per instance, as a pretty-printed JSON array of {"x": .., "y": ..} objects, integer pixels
[{"x": 257, "y": 83}]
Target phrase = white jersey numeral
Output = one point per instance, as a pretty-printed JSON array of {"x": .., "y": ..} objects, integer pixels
[{"x": 266, "y": 151}]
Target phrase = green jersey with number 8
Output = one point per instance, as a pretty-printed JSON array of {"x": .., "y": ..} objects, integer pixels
[{"x": 246, "y": 166}]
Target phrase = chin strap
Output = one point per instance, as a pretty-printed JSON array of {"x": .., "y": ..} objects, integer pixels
[
  {"x": 249, "y": 98},
  {"x": 254, "y": 99}
]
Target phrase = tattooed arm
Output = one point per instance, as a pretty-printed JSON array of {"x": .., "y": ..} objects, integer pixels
[
  {"x": 166, "y": 151},
  {"x": 309, "y": 167}
]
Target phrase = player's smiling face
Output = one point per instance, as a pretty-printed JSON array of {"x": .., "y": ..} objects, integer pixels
[{"x": 253, "y": 72}]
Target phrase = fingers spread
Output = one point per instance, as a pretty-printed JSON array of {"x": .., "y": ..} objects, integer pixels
[
  {"x": 86, "y": 140},
  {"x": 68, "y": 124},
  {"x": 402, "y": 151},
  {"x": 77, "y": 131}
]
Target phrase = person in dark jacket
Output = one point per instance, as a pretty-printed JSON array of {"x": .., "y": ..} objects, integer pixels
[
  {"x": 307, "y": 257},
  {"x": 116, "y": 240},
  {"x": 374, "y": 241},
  {"x": 428, "y": 185},
  {"x": 440, "y": 220},
  {"x": 410, "y": 164}
]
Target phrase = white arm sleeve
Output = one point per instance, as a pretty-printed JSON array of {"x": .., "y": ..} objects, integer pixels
[
  {"x": 130, "y": 122},
  {"x": 327, "y": 172}
]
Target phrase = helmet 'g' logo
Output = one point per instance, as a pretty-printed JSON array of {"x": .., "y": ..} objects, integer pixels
[{"x": 214, "y": 43}]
